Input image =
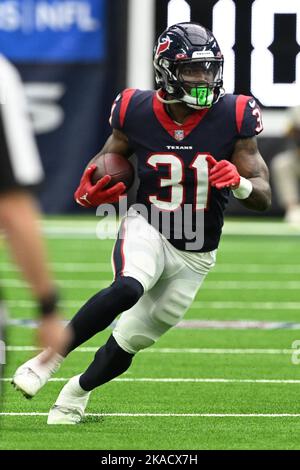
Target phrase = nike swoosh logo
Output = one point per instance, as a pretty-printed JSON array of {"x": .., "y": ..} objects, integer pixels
[{"x": 252, "y": 104}]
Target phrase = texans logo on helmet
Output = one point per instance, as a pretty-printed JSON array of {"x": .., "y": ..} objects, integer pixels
[
  {"x": 181, "y": 56},
  {"x": 163, "y": 46}
]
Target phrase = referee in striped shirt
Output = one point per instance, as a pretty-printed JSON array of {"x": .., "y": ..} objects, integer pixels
[{"x": 20, "y": 172}]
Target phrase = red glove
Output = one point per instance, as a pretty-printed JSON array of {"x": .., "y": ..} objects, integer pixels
[
  {"x": 89, "y": 195},
  {"x": 223, "y": 174}
]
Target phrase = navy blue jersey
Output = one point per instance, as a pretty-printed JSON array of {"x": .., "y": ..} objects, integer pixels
[{"x": 172, "y": 165}]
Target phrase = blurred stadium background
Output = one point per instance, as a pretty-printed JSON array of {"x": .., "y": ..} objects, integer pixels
[{"x": 74, "y": 57}]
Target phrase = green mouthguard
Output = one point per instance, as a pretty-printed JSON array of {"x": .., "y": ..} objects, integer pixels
[{"x": 204, "y": 96}]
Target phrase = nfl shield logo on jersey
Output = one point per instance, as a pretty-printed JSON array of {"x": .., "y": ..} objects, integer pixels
[{"x": 179, "y": 134}]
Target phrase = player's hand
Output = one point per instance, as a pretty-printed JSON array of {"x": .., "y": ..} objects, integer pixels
[
  {"x": 89, "y": 195},
  {"x": 53, "y": 336},
  {"x": 223, "y": 174}
]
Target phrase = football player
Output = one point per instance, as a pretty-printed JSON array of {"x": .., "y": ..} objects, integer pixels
[{"x": 195, "y": 145}]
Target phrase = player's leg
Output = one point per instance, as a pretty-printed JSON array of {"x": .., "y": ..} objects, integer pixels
[
  {"x": 138, "y": 328},
  {"x": 109, "y": 362},
  {"x": 155, "y": 313},
  {"x": 138, "y": 262},
  {"x": 99, "y": 311},
  {"x": 96, "y": 315},
  {"x": 163, "y": 307}
]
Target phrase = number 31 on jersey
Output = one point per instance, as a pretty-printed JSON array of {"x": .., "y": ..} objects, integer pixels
[{"x": 176, "y": 180}]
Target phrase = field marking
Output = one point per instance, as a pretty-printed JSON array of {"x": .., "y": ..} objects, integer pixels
[
  {"x": 220, "y": 268},
  {"x": 216, "y": 305},
  {"x": 193, "y": 324},
  {"x": 88, "y": 349},
  {"x": 231, "y": 222},
  {"x": 257, "y": 268},
  {"x": 183, "y": 380},
  {"x": 221, "y": 305},
  {"x": 77, "y": 228},
  {"x": 236, "y": 325},
  {"x": 68, "y": 267},
  {"x": 109, "y": 229},
  {"x": 67, "y": 284},
  {"x": 208, "y": 285},
  {"x": 171, "y": 415}
]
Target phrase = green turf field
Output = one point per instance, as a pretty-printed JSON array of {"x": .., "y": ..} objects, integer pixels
[{"x": 197, "y": 388}]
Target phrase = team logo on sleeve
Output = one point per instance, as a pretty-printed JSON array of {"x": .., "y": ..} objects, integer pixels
[
  {"x": 179, "y": 134},
  {"x": 163, "y": 46}
]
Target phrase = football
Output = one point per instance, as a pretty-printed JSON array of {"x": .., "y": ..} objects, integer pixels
[{"x": 115, "y": 165}]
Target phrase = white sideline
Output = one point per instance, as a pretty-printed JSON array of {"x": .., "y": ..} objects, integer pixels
[
  {"x": 185, "y": 380},
  {"x": 87, "y": 349},
  {"x": 173, "y": 415}
]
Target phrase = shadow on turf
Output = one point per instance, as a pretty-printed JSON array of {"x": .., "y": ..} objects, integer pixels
[{"x": 93, "y": 420}]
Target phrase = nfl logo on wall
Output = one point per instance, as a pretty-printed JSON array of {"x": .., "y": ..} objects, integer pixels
[{"x": 179, "y": 134}]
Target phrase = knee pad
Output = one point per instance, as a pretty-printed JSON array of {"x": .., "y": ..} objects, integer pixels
[
  {"x": 132, "y": 334},
  {"x": 171, "y": 308},
  {"x": 142, "y": 325},
  {"x": 140, "y": 328}
]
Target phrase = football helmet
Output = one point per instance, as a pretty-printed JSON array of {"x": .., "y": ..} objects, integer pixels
[{"x": 189, "y": 65}]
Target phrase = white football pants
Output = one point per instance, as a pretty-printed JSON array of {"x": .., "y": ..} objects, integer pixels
[{"x": 170, "y": 277}]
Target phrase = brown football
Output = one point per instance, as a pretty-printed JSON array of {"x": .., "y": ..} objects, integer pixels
[{"x": 115, "y": 165}]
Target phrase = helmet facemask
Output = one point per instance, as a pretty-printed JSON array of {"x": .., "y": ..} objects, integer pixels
[{"x": 197, "y": 83}]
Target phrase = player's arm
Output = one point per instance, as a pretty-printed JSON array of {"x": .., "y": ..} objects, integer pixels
[
  {"x": 116, "y": 143},
  {"x": 251, "y": 166},
  {"x": 89, "y": 195},
  {"x": 25, "y": 241},
  {"x": 246, "y": 175}
]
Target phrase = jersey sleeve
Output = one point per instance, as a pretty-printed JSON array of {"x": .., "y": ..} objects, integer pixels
[
  {"x": 248, "y": 117},
  {"x": 119, "y": 109}
]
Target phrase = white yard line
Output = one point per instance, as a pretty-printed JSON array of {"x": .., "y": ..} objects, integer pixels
[
  {"x": 171, "y": 415},
  {"x": 220, "y": 268},
  {"x": 222, "y": 305},
  {"x": 79, "y": 228},
  {"x": 220, "y": 351},
  {"x": 257, "y": 268},
  {"x": 67, "y": 284},
  {"x": 184, "y": 380},
  {"x": 245, "y": 305},
  {"x": 209, "y": 285},
  {"x": 196, "y": 324},
  {"x": 68, "y": 267}
]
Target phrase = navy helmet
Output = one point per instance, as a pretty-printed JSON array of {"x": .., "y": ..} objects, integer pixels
[{"x": 189, "y": 44}]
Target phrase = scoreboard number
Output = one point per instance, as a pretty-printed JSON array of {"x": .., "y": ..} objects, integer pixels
[{"x": 224, "y": 18}]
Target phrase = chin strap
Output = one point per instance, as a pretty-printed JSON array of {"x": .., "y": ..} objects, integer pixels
[
  {"x": 174, "y": 100},
  {"x": 162, "y": 100}
]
